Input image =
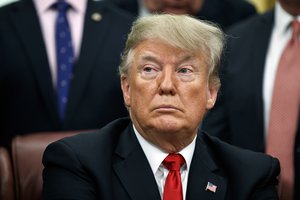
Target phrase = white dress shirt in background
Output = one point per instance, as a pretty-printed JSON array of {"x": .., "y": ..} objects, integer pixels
[
  {"x": 47, "y": 17},
  {"x": 281, "y": 34}
]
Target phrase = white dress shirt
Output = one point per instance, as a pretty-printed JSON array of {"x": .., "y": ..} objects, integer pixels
[
  {"x": 47, "y": 17},
  {"x": 281, "y": 34},
  {"x": 155, "y": 157}
]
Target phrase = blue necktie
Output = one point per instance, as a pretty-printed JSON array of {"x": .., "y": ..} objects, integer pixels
[{"x": 64, "y": 56}]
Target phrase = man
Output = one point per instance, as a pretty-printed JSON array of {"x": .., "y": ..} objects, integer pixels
[
  {"x": 169, "y": 81},
  {"x": 222, "y": 12},
  {"x": 242, "y": 116},
  {"x": 29, "y": 67}
]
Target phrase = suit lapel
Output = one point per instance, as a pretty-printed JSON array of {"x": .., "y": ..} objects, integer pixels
[
  {"x": 26, "y": 23},
  {"x": 203, "y": 171},
  {"x": 93, "y": 37},
  {"x": 259, "y": 51},
  {"x": 133, "y": 169}
]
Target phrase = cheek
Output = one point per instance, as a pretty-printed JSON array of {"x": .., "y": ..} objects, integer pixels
[
  {"x": 197, "y": 108},
  {"x": 196, "y": 100},
  {"x": 197, "y": 103},
  {"x": 141, "y": 93}
]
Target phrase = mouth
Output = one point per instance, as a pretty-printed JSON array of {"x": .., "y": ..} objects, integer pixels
[{"x": 166, "y": 108}]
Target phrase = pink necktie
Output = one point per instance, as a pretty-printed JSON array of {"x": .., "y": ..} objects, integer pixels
[
  {"x": 285, "y": 112},
  {"x": 173, "y": 187}
]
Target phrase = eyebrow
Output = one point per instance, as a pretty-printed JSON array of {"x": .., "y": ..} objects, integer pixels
[
  {"x": 148, "y": 56},
  {"x": 187, "y": 57}
]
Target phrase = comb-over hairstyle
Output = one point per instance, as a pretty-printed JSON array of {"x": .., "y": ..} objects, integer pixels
[{"x": 181, "y": 31}]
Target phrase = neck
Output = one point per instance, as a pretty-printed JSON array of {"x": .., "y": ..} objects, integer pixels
[{"x": 169, "y": 142}]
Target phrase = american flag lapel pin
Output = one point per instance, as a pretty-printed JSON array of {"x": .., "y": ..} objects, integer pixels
[{"x": 211, "y": 187}]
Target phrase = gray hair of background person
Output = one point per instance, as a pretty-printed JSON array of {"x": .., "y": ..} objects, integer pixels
[{"x": 181, "y": 31}]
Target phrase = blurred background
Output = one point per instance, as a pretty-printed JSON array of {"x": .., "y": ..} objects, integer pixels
[{"x": 261, "y": 5}]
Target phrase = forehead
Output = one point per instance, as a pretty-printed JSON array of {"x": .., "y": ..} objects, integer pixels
[{"x": 155, "y": 50}]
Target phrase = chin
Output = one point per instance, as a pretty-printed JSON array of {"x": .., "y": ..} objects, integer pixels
[{"x": 168, "y": 125}]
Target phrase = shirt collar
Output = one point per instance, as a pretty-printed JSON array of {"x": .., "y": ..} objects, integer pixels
[
  {"x": 44, "y": 5},
  {"x": 282, "y": 19},
  {"x": 155, "y": 155}
]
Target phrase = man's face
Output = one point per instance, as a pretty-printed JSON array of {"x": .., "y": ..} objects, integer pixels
[
  {"x": 167, "y": 91},
  {"x": 291, "y": 6},
  {"x": 191, "y": 7},
  {"x": 290, "y": 2}
]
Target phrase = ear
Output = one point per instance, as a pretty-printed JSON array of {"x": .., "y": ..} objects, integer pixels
[
  {"x": 125, "y": 89},
  {"x": 211, "y": 97}
]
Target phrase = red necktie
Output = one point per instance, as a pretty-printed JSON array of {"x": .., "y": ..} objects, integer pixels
[
  {"x": 285, "y": 112},
  {"x": 173, "y": 187}
]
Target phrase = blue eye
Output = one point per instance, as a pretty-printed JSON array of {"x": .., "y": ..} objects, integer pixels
[
  {"x": 149, "y": 71},
  {"x": 185, "y": 70},
  {"x": 186, "y": 73}
]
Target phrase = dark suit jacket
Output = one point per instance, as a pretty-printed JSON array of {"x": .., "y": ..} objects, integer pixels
[
  {"x": 28, "y": 99},
  {"x": 238, "y": 114},
  {"x": 110, "y": 164},
  {"x": 222, "y": 12}
]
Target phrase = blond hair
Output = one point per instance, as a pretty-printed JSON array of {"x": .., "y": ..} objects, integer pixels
[{"x": 181, "y": 31}]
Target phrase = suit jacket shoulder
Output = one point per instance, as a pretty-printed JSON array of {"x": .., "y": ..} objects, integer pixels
[
  {"x": 102, "y": 142},
  {"x": 84, "y": 164}
]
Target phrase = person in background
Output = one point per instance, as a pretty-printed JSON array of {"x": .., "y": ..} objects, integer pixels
[
  {"x": 263, "y": 5},
  {"x": 52, "y": 54},
  {"x": 223, "y": 12},
  {"x": 258, "y": 108},
  {"x": 169, "y": 79}
]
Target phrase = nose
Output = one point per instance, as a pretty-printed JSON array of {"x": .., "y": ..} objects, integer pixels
[{"x": 167, "y": 82}]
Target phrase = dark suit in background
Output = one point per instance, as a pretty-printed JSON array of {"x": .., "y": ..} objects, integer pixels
[
  {"x": 119, "y": 169},
  {"x": 222, "y": 12},
  {"x": 28, "y": 99},
  {"x": 238, "y": 115}
]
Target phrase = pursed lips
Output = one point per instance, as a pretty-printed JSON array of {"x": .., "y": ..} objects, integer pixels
[{"x": 166, "y": 108}]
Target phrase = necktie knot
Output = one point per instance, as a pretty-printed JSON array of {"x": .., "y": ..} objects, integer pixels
[
  {"x": 296, "y": 30},
  {"x": 61, "y": 6},
  {"x": 173, "y": 162}
]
